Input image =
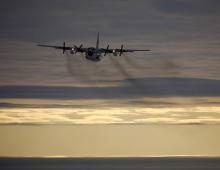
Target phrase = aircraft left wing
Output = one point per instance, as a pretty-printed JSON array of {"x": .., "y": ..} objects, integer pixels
[{"x": 65, "y": 48}]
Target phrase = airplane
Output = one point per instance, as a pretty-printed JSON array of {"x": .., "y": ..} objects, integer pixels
[{"x": 92, "y": 53}]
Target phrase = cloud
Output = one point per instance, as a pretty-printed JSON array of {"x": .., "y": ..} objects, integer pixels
[
  {"x": 155, "y": 87},
  {"x": 187, "y": 8},
  {"x": 98, "y": 119},
  {"x": 172, "y": 121},
  {"x": 202, "y": 115},
  {"x": 80, "y": 20}
]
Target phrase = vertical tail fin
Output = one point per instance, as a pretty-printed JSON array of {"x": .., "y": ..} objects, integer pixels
[{"x": 97, "y": 42}]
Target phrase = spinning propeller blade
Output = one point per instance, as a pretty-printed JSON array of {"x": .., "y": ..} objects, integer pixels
[
  {"x": 64, "y": 49},
  {"x": 77, "y": 49},
  {"x": 121, "y": 50},
  {"x": 80, "y": 46},
  {"x": 106, "y": 50}
]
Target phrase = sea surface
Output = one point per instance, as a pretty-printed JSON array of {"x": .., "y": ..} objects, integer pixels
[{"x": 152, "y": 163}]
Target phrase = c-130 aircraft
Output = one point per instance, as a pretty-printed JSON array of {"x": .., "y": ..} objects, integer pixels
[{"x": 92, "y": 53}]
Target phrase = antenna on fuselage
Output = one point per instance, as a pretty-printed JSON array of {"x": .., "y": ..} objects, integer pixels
[{"x": 97, "y": 42}]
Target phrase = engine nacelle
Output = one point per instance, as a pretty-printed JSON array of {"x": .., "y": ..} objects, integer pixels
[
  {"x": 72, "y": 51},
  {"x": 115, "y": 53}
]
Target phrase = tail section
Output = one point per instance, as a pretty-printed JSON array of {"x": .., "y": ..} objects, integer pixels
[{"x": 97, "y": 42}]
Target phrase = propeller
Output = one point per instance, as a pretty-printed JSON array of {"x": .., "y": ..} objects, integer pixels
[
  {"x": 121, "y": 50},
  {"x": 80, "y": 46},
  {"x": 77, "y": 49},
  {"x": 64, "y": 47},
  {"x": 106, "y": 50}
]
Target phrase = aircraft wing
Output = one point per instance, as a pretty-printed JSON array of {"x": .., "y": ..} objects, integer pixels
[
  {"x": 56, "y": 47},
  {"x": 128, "y": 50},
  {"x": 66, "y": 48},
  {"x": 120, "y": 50}
]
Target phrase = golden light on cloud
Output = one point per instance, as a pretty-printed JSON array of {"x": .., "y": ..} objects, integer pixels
[{"x": 122, "y": 115}]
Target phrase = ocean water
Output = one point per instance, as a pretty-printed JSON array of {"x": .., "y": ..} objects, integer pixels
[{"x": 165, "y": 163}]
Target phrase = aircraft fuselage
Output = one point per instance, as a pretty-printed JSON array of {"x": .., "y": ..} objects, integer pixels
[{"x": 93, "y": 54}]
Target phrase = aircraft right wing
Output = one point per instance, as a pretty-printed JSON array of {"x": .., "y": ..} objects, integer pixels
[{"x": 120, "y": 50}]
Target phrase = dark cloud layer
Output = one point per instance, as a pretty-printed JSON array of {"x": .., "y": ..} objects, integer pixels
[
  {"x": 150, "y": 87},
  {"x": 74, "y": 20},
  {"x": 197, "y": 8}
]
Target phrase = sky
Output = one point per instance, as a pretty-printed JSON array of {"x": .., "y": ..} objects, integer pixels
[{"x": 175, "y": 86}]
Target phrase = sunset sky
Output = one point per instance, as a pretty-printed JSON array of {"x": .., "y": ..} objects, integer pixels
[{"x": 164, "y": 102}]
